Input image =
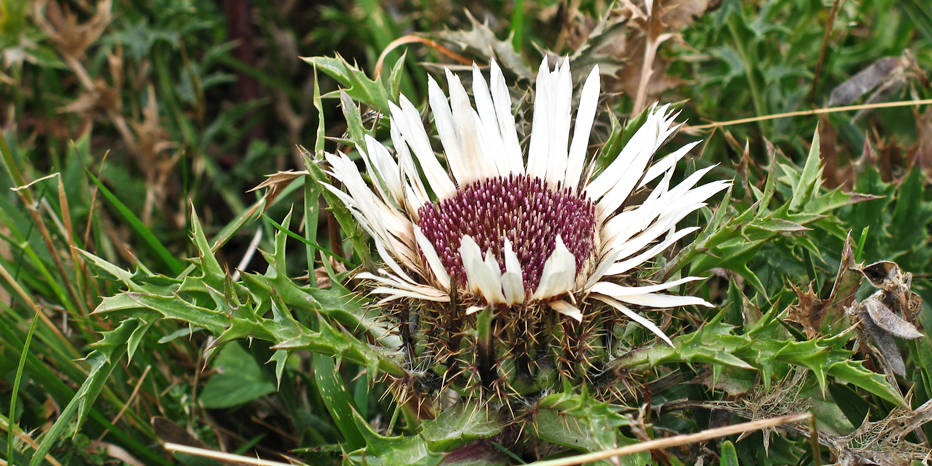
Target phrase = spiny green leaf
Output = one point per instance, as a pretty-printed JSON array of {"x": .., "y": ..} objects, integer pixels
[
  {"x": 809, "y": 354},
  {"x": 235, "y": 310},
  {"x": 212, "y": 273},
  {"x": 855, "y": 373},
  {"x": 387, "y": 451},
  {"x": 357, "y": 85},
  {"x": 462, "y": 424},
  {"x": 810, "y": 179},
  {"x": 354, "y": 126},
  {"x": 332, "y": 342},
  {"x": 762, "y": 348},
  {"x": 579, "y": 421},
  {"x": 280, "y": 358},
  {"x": 147, "y": 321}
]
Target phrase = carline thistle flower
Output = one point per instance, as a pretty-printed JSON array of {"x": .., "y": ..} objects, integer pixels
[{"x": 532, "y": 236}]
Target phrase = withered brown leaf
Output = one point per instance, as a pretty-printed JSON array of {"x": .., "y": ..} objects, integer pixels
[
  {"x": 276, "y": 183},
  {"x": 877, "y": 314},
  {"x": 809, "y": 312},
  {"x": 864, "y": 81},
  {"x": 881, "y": 315}
]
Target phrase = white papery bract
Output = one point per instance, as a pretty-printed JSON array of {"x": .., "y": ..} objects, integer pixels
[{"x": 515, "y": 229}]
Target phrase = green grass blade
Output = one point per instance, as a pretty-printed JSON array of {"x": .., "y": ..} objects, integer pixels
[
  {"x": 304, "y": 240},
  {"x": 16, "y": 382},
  {"x": 111, "y": 348},
  {"x": 143, "y": 232},
  {"x": 921, "y": 16}
]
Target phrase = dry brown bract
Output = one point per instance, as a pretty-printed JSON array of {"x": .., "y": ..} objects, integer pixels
[
  {"x": 883, "y": 443},
  {"x": 877, "y": 315},
  {"x": 828, "y": 316},
  {"x": 879, "y": 323},
  {"x": 70, "y": 36}
]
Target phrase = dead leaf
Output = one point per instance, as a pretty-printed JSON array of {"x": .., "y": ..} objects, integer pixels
[
  {"x": 886, "y": 92},
  {"x": 70, "y": 37},
  {"x": 835, "y": 175},
  {"x": 151, "y": 142},
  {"x": 626, "y": 37},
  {"x": 884, "y": 318},
  {"x": 605, "y": 44},
  {"x": 884, "y": 442},
  {"x": 863, "y": 82},
  {"x": 883, "y": 346},
  {"x": 276, "y": 183},
  {"x": 480, "y": 41},
  {"x": 923, "y": 155},
  {"x": 848, "y": 279},
  {"x": 678, "y": 14},
  {"x": 882, "y": 274},
  {"x": 809, "y": 312},
  {"x": 323, "y": 278},
  {"x": 100, "y": 98},
  {"x": 828, "y": 316},
  {"x": 877, "y": 314}
]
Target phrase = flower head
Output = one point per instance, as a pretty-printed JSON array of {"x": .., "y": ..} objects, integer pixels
[{"x": 499, "y": 227}]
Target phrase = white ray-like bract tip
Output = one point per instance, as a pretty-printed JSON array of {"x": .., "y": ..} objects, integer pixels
[
  {"x": 488, "y": 124},
  {"x": 618, "y": 291},
  {"x": 493, "y": 281},
  {"x": 559, "y": 273},
  {"x": 381, "y": 220},
  {"x": 414, "y": 192},
  {"x": 663, "y": 300},
  {"x": 433, "y": 260},
  {"x": 506, "y": 121},
  {"x": 635, "y": 317},
  {"x": 561, "y": 99},
  {"x": 539, "y": 151},
  {"x": 626, "y": 265},
  {"x": 621, "y": 190},
  {"x": 667, "y": 163},
  {"x": 566, "y": 309},
  {"x": 412, "y": 131},
  {"x": 613, "y": 185},
  {"x": 512, "y": 279},
  {"x": 398, "y": 288},
  {"x": 446, "y": 129},
  {"x": 483, "y": 276},
  {"x": 470, "y": 254},
  {"x": 474, "y": 309},
  {"x": 380, "y": 163},
  {"x": 585, "y": 117},
  {"x": 476, "y": 160}
]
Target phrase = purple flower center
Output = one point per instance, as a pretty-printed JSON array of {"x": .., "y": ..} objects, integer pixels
[{"x": 520, "y": 208}]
